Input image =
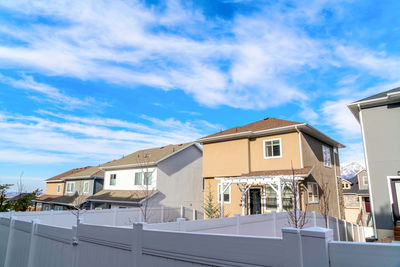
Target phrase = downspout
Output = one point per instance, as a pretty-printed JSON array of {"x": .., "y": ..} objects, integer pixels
[
  {"x": 336, "y": 179},
  {"x": 300, "y": 147},
  {"x": 368, "y": 172}
]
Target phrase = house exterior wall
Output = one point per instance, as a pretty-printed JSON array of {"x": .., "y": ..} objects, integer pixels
[
  {"x": 313, "y": 156},
  {"x": 361, "y": 183},
  {"x": 381, "y": 128},
  {"x": 51, "y": 188},
  {"x": 79, "y": 186},
  {"x": 229, "y": 158},
  {"x": 126, "y": 179},
  {"x": 180, "y": 181}
]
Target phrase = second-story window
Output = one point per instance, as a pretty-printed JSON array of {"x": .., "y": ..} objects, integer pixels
[
  {"x": 70, "y": 187},
  {"x": 365, "y": 179},
  {"x": 59, "y": 188},
  {"x": 272, "y": 148},
  {"x": 86, "y": 187},
  {"x": 113, "y": 179},
  {"x": 148, "y": 178},
  {"x": 138, "y": 178},
  {"x": 326, "y": 152}
]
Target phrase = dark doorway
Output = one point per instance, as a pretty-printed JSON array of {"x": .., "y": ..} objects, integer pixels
[
  {"x": 255, "y": 200},
  {"x": 395, "y": 186}
]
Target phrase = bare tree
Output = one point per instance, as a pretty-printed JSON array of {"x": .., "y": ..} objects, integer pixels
[
  {"x": 297, "y": 218},
  {"x": 324, "y": 201},
  {"x": 78, "y": 203}
]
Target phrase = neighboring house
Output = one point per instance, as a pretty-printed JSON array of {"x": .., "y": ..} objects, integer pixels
[
  {"x": 253, "y": 166},
  {"x": 167, "y": 176},
  {"x": 379, "y": 117},
  {"x": 356, "y": 199},
  {"x": 54, "y": 189},
  {"x": 70, "y": 191}
]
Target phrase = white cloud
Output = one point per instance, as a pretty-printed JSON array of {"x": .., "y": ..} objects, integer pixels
[
  {"x": 66, "y": 138},
  {"x": 352, "y": 153}
]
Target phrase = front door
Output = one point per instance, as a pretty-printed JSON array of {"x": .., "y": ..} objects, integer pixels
[
  {"x": 255, "y": 201},
  {"x": 395, "y": 186}
]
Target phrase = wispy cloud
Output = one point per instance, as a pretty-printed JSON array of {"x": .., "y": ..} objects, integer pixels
[{"x": 66, "y": 138}]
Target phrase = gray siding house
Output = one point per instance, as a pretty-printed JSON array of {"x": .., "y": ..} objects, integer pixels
[
  {"x": 379, "y": 117},
  {"x": 168, "y": 176}
]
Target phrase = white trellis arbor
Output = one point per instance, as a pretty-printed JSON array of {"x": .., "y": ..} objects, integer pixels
[{"x": 277, "y": 183}]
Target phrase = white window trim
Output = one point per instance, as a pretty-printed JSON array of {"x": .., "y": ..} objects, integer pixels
[
  {"x": 84, "y": 185},
  {"x": 72, "y": 183},
  {"x": 314, "y": 201},
  {"x": 219, "y": 194},
  {"x": 280, "y": 148},
  {"x": 389, "y": 178},
  {"x": 59, "y": 188},
  {"x": 111, "y": 174},
  {"x": 330, "y": 156}
]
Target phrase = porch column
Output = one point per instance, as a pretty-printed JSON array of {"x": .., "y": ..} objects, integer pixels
[
  {"x": 279, "y": 196},
  {"x": 221, "y": 195}
]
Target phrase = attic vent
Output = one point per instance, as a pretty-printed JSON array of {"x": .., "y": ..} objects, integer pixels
[
  {"x": 161, "y": 147},
  {"x": 266, "y": 118},
  {"x": 180, "y": 145}
]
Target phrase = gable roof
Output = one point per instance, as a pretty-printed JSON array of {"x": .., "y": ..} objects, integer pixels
[
  {"x": 383, "y": 98},
  {"x": 265, "y": 127},
  {"x": 59, "y": 177},
  {"x": 354, "y": 187},
  {"x": 86, "y": 173},
  {"x": 146, "y": 157}
]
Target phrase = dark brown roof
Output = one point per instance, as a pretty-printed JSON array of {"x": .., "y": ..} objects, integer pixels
[
  {"x": 45, "y": 198},
  {"x": 302, "y": 171},
  {"x": 122, "y": 195},
  {"x": 65, "y": 174},
  {"x": 265, "y": 124},
  {"x": 146, "y": 156}
]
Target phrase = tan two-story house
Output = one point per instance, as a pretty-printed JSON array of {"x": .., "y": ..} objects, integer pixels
[{"x": 253, "y": 167}]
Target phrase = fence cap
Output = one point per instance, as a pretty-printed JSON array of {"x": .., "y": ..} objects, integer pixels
[
  {"x": 317, "y": 232},
  {"x": 291, "y": 230}
]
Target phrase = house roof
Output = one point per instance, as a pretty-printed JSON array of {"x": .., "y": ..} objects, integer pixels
[
  {"x": 306, "y": 171},
  {"x": 59, "y": 177},
  {"x": 146, "y": 156},
  {"x": 268, "y": 126},
  {"x": 383, "y": 98},
  {"x": 354, "y": 187},
  {"x": 86, "y": 173},
  {"x": 134, "y": 196},
  {"x": 45, "y": 198}
]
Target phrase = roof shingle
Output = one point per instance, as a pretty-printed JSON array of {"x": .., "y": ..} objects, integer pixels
[{"x": 67, "y": 173}]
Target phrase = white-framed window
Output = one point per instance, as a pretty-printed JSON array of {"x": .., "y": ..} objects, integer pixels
[
  {"x": 86, "y": 187},
  {"x": 148, "y": 177},
  {"x": 227, "y": 194},
  {"x": 313, "y": 194},
  {"x": 272, "y": 148},
  {"x": 59, "y": 188},
  {"x": 326, "y": 152},
  {"x": 138, "y": 178},
  {"x": 71, "y": 187},
  {"x": 113, "y": 179},
  {"x": 365, "y": 179}
]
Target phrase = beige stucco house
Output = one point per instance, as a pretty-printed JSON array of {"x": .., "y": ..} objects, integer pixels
[{"x": 253, "y": 166}]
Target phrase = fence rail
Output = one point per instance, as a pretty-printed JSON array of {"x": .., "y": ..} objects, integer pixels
[{"x": 31, "y": 244}]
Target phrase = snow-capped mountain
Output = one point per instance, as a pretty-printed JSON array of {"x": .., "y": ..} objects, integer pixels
[{"x": 348, "y": 170}]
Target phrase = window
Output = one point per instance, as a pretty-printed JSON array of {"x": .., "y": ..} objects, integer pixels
[
  {"x": 138, "y": 178},
  {"x": 58, "y": 188},
  {"x": 148, "y": 178},
  {"x": 326, "y": 152},
  {"x": 70, "y": 187},
  {"x": 313, "y": 195},
  {"x": 271, "y": 202},
  {"x": 287, "y": 198},
  {"x": 365, "y": 179},
  {"x": 113, "y": 179},
  {"x": 272, "y": 148},
  {"x": 86, "y": 187},
  {"x": 227, "y": 194}
]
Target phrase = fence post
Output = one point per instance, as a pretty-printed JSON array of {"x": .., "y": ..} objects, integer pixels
[
  {"x": 75, "y": 243},
  {"x": 314, "y": 218},
  {"x": 182, "y": 212},
  {"x": 314, "y": 244},
  {"x": 162, "y": 214},
  {"x": 194, "y": 214},
  {"x": 9, "y": 242},
  {"x": 33, "y": 243},
  {"x": 179, "y": 221},
  {"x": 292, "y": 244},
  {"x": 274, "y": 222},
  {"x": 137, "y": 244},
  {"x": 52, "y": 217},
  {"x": 352, "y": 232},
  {"x": 345, "y": 230},
  {"x": 338, "y": 229}
]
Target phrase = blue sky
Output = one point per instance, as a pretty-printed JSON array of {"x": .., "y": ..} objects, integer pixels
[{"x": 85, "y": 82}]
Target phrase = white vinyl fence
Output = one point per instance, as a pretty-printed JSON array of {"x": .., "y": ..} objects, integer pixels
[
  {"x": 31, "y": 244},
  {"x": 115, "y": 217},
  {"x": 263, "y": 225}
]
